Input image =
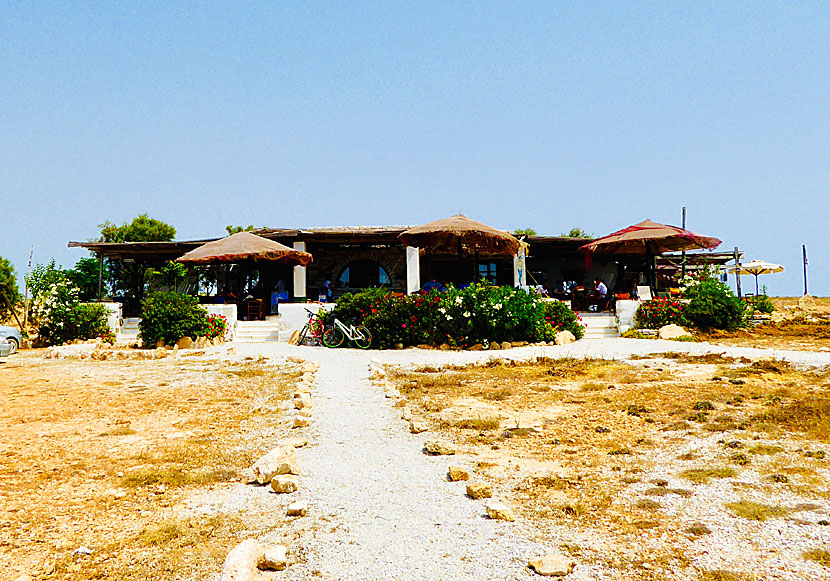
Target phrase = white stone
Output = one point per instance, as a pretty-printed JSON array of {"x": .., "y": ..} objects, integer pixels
[
  {"x": 302, "y": 400},
  {"x": 553, "y": 565},
  {"x": 284, "y": 484},
  {"x": 297, "y": 508},
  {"x": 305, "y": 412},
  {"x": 417, "y": 426},
  {"x": 273, "y": 558},
  {"x": 477, "y": 490},
  {"x": 564, "y": 337},
  {"x": 301, "y": 422},
  {"x": 280, "y": 460},
  {"x": 499, "y": 511},
  {"x": 672, "y": 332},
  {"x": 242, "y": 562},
  {"x": 456, "y": 473}
]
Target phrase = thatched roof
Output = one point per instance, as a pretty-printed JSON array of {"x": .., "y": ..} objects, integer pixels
[
  {"x": 450, "y": 235},
  {"x": 242, "y": 247},
  {"x": 649, "y": 237}
]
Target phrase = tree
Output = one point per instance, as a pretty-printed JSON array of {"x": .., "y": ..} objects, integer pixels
[
  {"x": 131, "y": 278},
  {"x": 237, "y": 229},
  {"x": 8, "y": 286},
  {"x": 524, "y": 232},
  {"x": 85, "y": 277},
  {"x": 576, "y": 233}
]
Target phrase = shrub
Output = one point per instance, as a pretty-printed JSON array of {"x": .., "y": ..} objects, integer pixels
[
  {"x": 8, "y": 286},
  {"x": 217, "y": 326},
  {"x": 656, "y": 313},
  {"x": 480, "y": 313},
  {"x": 69, "y": 320},
  {"x": 762, "y": 304},
  {"x": 713, "y": 305},
  {"x": 169, "y": 316}
]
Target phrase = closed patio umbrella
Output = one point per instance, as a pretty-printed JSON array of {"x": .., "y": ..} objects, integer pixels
[{"x": 755, "y": 268}]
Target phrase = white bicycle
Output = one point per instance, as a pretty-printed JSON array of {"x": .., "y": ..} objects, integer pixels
[{"x": 335, "y": 335}]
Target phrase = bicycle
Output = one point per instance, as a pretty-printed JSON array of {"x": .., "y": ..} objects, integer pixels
[
  {"x": 335, "y": 335},
  {"x": 312, "y": 333}
]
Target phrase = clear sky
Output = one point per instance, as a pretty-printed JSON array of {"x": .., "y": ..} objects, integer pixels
[{"x": 518, "y": 114}]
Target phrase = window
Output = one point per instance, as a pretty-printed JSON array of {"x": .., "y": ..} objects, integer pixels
[
  {"x": 487, "y": 270},
  {"x": 364, "y": 273}
]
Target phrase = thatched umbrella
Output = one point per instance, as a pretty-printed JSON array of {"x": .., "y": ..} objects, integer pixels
[
  {"x": 459, "y": 233},
  {"x": 245, "y": 247},
  {"x": 650, "y": 239}
]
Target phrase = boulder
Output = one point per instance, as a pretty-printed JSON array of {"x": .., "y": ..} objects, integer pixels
[
  {"x": 185, "y": 343},
  {"x": 302, "y": 400},
  {"x": 298, "y": 508},
  {"x": 507, "y": 345},
  {"x": 495, "y": 346},
  {"x": 159, "y": 344},
  {"x": 476, "y": 347},
  {"x": 499, "y": 511},
  {"x": 444, "y": 347},
  {"x": 477, "y": 490},
  {"x": 273, "y": 558},
  {"x": 456, "y": 473},
  {"x": 294, "y": 442},
  {"x": 301, "y": 421},
  {"x": 438, "y": 448},
  {"x": 406, "y": 414},
  {"x": 305, "y": 412},
  {"x": 285, "y": 484},
  {"x": 242, "y": 562},
  {"x": 672, "y": 332},
  {"x": 564, "y": 337},
  {"x": 552, "y": 565},
  {"x": 417, "y": 426},
  {"x": 280, "y": 460}
]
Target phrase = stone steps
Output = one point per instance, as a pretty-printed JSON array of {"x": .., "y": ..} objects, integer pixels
[{"x": 599, "y": 325}]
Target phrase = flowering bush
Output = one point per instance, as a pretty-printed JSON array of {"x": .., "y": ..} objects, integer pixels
[
  {"x": 108, "y": 337},
  {"x": 217, "y": 326},
  {"x": 480, "y": 313},
  {"x": 168, "y": 316},
  {"x": 655, "y": 313},
  {"x": 58, "y": 313}
]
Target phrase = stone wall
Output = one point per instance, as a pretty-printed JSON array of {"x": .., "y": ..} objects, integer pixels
[{"x": 331, "y": 259}]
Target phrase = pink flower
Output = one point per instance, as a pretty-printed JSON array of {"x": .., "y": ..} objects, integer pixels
[{"x": 403, "y": 325}]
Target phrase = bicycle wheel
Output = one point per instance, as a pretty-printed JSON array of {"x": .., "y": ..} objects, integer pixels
[
  {"x": 301, "y": 338},
  {"x": 333, "y": 337},
  {"x": 362, "y": 337}
]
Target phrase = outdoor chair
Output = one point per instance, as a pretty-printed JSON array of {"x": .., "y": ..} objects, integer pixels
[
  {"x": 644, "y": 293},
  {"x": 253, "y": 309}
]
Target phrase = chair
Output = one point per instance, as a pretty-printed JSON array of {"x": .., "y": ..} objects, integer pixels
[
  {"x": 253, "y": 309},
  {"x": 644, "y": 293}
]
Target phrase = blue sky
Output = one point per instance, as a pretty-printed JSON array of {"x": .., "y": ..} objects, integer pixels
[{"x": 541, "y": 115}]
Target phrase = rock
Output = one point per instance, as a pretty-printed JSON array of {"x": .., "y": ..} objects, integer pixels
[
  {"x": 552, "y": 565},
  {"x": 806, "y": 302},
  {"x": 301, "y": 422},
  {"x": 456, "y": 473},
  {"x": 302, "y": 400},
  {"x": 305, "y": 412},
  {"x": 507, "y": 345},
  {"x": 398, "y": 346},
  {"x": 418, "y": 426},
  {"x": 159, "y": 344},
  {"x": 294, "y": 442},
  {"x": 476, "y": 347},
  {"x": 499, "y": 511},
  {"x": 672, "y": 332},
  {"x": 82, "y": 551},
  {"x": 273, "y": 558},
  {"x": 242, "y": 562},
  {"x": 564, "y": 337},
  {"x": 298, "y": 508},
  {"x": 495, "y": 346},
  {"x": 477, "y": 490},
  {"x": 175, "y": 350},
  {"x": 185, "y": 343},
  {"x": 444, "y": 347},
  {"x": 285, "y": 484},
  {"x": 438, "y": 449},
  {"x": 280, "y": 460},
  {"x": 406, "y": 414}
]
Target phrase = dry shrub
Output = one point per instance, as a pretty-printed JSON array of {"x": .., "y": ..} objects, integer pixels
[
  {"x": 810, "y": 415},
  {"x": 704, "y": 475},
  {"x": 820, "y": 556},
  {"x": 751, "y": 510}
]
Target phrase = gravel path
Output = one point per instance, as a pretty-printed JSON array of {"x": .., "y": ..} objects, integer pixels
[{"x": 380, "y": 508}]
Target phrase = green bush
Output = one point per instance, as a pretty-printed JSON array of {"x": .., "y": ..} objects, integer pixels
[
  {"x": 713, "y": 305},
  {"x": 763, "y": 304},
  {"x": 8, "y": 286},
  {"x": 169, "y": 316},
  {"x": 656, "y": 313},
  {"x": 68, "y": 322},
  {"x": 480, "y": 313}
]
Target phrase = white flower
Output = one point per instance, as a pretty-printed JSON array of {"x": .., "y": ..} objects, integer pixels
[
  {"x": 449, "y": 317},
  {"x": 497, "y": 306},
  {"x": 466, "y": 313},
  {"x": 458, "y": 300}
]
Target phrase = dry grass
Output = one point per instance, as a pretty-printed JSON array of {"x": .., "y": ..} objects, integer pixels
[
  {"x": 704, "y": 475},
  {"x": 751, "y": 510},
  {"x": 99, "y": 451},
  {"x": 820, "y": 556},
  {"x": 722, "y": 575}
]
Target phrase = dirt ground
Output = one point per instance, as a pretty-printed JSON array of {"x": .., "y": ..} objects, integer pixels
[
  {"x": 101, "y": 457},
  {"x": 672, "y": 467}
]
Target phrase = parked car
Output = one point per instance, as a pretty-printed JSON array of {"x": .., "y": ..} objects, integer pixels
[{"x": 11, "y": 337}]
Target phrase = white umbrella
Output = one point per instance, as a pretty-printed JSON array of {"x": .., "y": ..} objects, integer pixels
[{"x": 756, "y": 267}]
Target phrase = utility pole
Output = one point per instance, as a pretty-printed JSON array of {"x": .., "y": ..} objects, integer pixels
[
  {"x": 804, "y": 253},
  {"x": 26, "y": 286},
  {"x": 683, "y": 253},
  {"x": 737, "y": 271}
]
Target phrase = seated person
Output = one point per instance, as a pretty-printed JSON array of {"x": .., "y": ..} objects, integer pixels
[
  {"x": 600, "y": 287},
  {"x": 433, "y": 284}
]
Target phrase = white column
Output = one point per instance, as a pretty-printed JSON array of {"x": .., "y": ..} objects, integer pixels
[
  {"x": 299, "y": 274},
  {"x": 413, "y": 270},
  {"x": 520, "y": 268}
]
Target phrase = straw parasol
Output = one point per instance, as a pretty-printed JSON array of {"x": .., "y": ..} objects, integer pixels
[
  {"x": 649, "y": 238},
  {"x": 459, "y": 233},
  {"x": 245, "y": 247},
  {"x": 755, "y": 268}
]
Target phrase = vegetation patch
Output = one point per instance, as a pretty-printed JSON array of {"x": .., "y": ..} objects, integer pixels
[
  {"x": 704, "y": 475},
  {"x": 751, "y": 510}
]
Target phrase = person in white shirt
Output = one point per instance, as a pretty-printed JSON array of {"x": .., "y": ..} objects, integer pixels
[{"x": 600, "y": 287}]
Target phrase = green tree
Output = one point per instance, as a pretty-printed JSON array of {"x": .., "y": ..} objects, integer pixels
[
  {"x": 85, "y": 276},
  {"x": 130, "y": 278},
  {"x": 524, "y": 232},
  {"x": 577, "y": 233},
  {"x": 8, "y": 286},
  {"x": 237, "y": 229}
]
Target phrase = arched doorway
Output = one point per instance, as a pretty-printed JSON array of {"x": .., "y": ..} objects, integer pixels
[{"x": 363, "y": 273}]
